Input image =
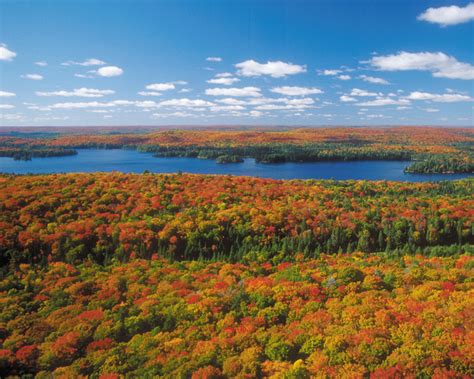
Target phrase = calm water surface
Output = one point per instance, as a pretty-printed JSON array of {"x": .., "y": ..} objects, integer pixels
[{"x": 133, "y": 161}]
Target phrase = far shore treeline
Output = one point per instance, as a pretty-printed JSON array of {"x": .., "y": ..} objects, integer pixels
[{"x": 432, "y": 149}]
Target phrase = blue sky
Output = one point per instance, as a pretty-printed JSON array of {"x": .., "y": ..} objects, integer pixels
[{"x": 236, "y": 62}]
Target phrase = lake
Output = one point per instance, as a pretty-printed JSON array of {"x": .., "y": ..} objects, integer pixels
[{"x": 92, "y": 160}]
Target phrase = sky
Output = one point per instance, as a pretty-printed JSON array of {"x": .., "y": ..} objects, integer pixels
[{"x": 327, "y": 62}]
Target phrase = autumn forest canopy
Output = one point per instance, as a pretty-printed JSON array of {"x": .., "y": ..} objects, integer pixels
[
  {"x": 114, "y": 275},
  {"x": 431, "y": 149}
]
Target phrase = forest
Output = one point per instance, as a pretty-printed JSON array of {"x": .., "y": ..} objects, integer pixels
[
  {"x": 431, "y": 149},
  {"x": 115, "y": 275},
  {"x": 115, "y": 217},
  {"x": 337, "y": 316}
]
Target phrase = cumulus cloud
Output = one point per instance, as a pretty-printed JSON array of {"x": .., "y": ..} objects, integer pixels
[
  {"x": 225, "y": 80},
  {"x": 89, "y": 76},
  {"x": 383, "y": 101},
  {"x": 373, "y": 80},
  {"x": 255, "y": 114},
  {"x": 227, "y": 108},
  {"x": 275, "y": 69},
  {"x": 239, "y": 92},
  {"x": 186, "y": 103},
  {"x": 439, "y": 64},
  {"x": 11, "y": 116},
  {"x": 347, "y": 99},
  {"x": 109, "y": 71},
  {"x": 362, "y": 92},
  {"x": 87, "y": 62},
  {"x": 173, "y": 114},
  {"x": 78, "y": 92},
  {"x": 7, "y": 94},
  {"x": 451, "y": 15},
  {"x": 32, "y": 76},
  {"x": 5, "y": 53},
  {"x": 82, "y": 105},
  {"x": 147, "y": 104},
  {"x": 160, "y": 86},
  {"x": 149, "y": 93},
  {"x": 41, "y": 63},
  {"x": 443, "y": 98},
  {"x": 287, "y": 104},
  {"x": 329, "y": 72},
  {"x": 6, "y": 106},
  {"x": 344, "y": 77},
  {"x": 377, "y": 116},
  {"x": 231, "y": 101},
  {"x": 296, "y": 91},
  {"x": 214, "y": 59}
]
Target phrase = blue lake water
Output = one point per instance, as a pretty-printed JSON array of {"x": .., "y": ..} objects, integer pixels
[{"x": 133, "y": 161}]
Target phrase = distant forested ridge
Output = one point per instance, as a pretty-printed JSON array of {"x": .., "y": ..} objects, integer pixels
[{"x": 432, "y": 149}]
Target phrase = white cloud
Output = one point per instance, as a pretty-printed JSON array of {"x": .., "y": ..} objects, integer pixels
[
  {"x": 451, "y": 15},
  {"x": 296, "y": 91},
  {"x": 160, "y": 86},
  {"x": 347, "y": 99},
  {"x": 89, "y": 76},
  {"x": 41, "y": 63},
  {"x": 275, "y": 69},
  {"x": 6, "y": 106},
  {"x": 255, "y": 114},
  {"x": 82, "y": 105},
  {"x": 214, "y": 59},
  {"x": 143, "y": 104},
  {"x": 87, "y": 62},
  {"x": 227, "y": 81},
  {"x": 362, "y": 93},
  {"x": 231, "y": 101},
  {"x": 240, "y": 92},
  {"x": 373, "y": 79},
  {"x": 220, "y": 108},
  {"x": 186, "y": 103},
  {"x": 11, "y": 116},
  {"x": 439, "y": 64},
  {"x": 96, "y": 104},
  {"x": 78, "y": 92},
  {"x": 377, "y": 116},
  {"x": 430, "y": 110},
  {"x": 383, "y": 101},
  {"x": 7, "y": 94},
  {"x": 329, "y": 72},
  {"x": 32, "y": 76},
  {"x": 109, "y": 71},
  {"x": 444, "y": 98},
  {"x": 287, "y": 104},
  {"x": 5, "y": 54},
  {"x": 344, "y": 77},
  {"x": 149, "y": 93},
  {"x": 173, "y": 114}
]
